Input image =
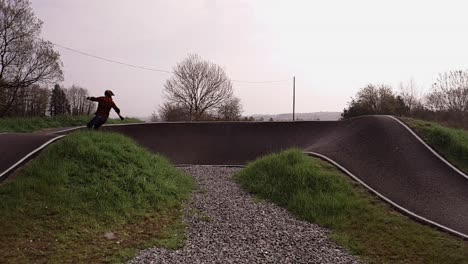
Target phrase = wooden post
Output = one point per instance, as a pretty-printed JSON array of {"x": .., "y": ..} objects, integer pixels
[{"x": 294, "y": 98}]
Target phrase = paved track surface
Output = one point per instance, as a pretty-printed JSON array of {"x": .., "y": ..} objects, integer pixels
[
  {"x": 377, "y": 149},
  {"x": 15, "y": 146}
]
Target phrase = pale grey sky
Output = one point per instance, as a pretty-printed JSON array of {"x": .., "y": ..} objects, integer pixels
[{"x": 332, "y": 47}]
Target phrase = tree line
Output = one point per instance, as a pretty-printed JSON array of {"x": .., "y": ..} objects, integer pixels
[
  {"x": 447, "y": 100},
  {"x": 26, "y": 61},
  {"x": 28, "y": 65},
  {"x": 70, "y": 101},
  {"x": 41, "y": 101}
]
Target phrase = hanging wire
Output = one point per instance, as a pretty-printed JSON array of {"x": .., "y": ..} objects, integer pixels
[
  {"x": 109, "y": 60},
  {"x": 147, "y": 68},
  {"x": 278, "y": 81}
]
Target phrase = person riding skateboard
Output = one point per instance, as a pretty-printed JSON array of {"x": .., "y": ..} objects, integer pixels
[{"x": 105, "y": 103}]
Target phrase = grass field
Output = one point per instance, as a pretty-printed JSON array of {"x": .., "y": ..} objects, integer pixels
[
  {"x": 451, "y": 143},
  {"x": 317, "y": 192},
  {"x": 30, "y": 124},
  {"x": 59, "y": 207}
]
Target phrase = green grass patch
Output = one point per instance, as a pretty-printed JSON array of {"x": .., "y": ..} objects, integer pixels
[
  {"x": 59, "y": 207},
  {"x": 317, "y": 192},
  {"x": 451, "y": 143},
  {"x": 30, "y": 124}
]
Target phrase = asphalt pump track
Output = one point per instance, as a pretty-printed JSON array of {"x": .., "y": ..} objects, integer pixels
[{"x": 380, "y": 152}]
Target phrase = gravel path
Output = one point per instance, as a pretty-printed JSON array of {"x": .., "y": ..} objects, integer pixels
[{"x": 227, "y": 225}]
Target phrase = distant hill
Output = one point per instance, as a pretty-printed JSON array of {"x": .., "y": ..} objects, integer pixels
[{"x": 322, "y": 116}]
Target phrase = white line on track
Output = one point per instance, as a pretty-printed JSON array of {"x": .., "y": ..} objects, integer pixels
[
  {"x": 208, "y": 165},
  {"x": 429, "y": 147},
  {"x": 66, "y": 130},
  {"x": 399, "y": 207}
]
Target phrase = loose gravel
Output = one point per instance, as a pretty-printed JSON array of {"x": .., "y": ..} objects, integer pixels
[{"x": 228, "y": 225}]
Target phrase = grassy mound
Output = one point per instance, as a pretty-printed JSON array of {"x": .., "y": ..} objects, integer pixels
[
  {"x": 451, "y": 143},
  {"x": 60, "y": 206},
  {"x": 317, "y": 192},
  {"x": 30, "y": 124}
]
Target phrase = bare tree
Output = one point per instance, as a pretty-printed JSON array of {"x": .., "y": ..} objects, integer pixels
[
  {"x": 231, "y": 110},
  {"x": 378, "y": 99},
  {"x": 450, "y": 92},
  {"x": 410, "y": 94},
  {"x": 76, "y": 96},
  {"x": 31, "y": 101},
  {"x": 375, "y": 100},
  {"x": 154, "y": 117},
  {"x": 434, "y": 101},
  {"x": 173, "y": 112},
  {"x": 198, "y": 86},
  {"x": 24, "y": 59},
  {"x": 36, "y": 101}
]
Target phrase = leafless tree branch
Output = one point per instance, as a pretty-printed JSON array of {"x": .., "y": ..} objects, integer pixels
[
  {"x": 198, "y": 86},
  {"x": 24, "y": 59}
]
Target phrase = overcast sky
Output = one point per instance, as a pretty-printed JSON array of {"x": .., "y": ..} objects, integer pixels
[{"x": 332, "y": 47}]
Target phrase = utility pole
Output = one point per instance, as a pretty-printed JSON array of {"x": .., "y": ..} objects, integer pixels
[{"x": 294, "y": 97}]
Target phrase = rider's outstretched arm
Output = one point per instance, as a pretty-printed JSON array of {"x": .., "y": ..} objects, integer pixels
[{"x": 117, "y": 110}]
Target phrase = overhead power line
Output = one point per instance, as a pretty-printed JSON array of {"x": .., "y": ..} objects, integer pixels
[
  {"x": 147, "y": 68},
  {"x": 278, "y": 81},
  {"x": 109, "y": 60}
]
